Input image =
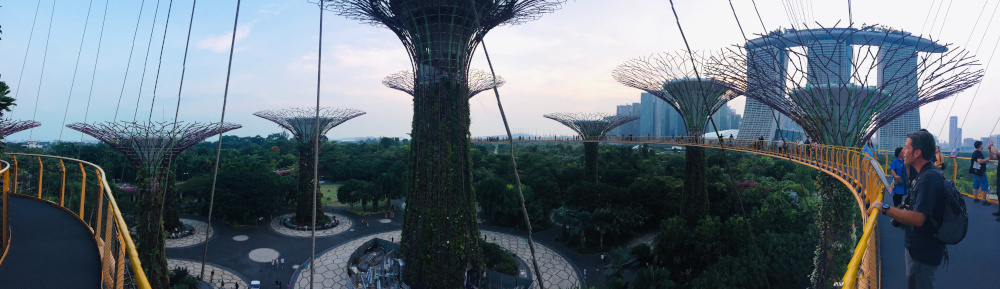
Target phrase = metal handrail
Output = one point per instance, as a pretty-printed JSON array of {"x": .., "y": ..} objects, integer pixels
[
  {"x": 5, "y": 230},
  {"x": 849, "y": 165},
  {"x": 112, "y": 259}
]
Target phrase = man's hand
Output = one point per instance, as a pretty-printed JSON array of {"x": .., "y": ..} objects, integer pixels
[{"x": 877, "y": 204}]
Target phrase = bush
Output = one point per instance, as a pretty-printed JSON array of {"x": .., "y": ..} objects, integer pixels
[
  {"x": 498, "y": 260},
  {"x": 180, "y": 278}
]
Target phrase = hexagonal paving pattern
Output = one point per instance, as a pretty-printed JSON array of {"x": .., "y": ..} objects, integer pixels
[
  {"x": 190, "y": 240},
  {"x": 331, "y": 266},
  {"x": 345, "y": 223},
  {"x": 223, "y": 278}
]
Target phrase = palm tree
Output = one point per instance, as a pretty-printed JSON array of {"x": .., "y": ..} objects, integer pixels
[
  {"x": 5, "y": 101},
  {"x": 620, "y": 261},
  {"x": 603, "y": 221}
]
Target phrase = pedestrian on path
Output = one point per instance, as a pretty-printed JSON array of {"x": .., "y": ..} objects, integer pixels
[
  {"x": 603, "y": 262},
  {"x": 923, "y": 250},
  {"x": 282, "y": 263},
  {"x": 899, "y": 174}
]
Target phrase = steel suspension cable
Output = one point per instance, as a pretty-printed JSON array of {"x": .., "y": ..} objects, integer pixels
[
  {"x": 17, "y": 89},
  {"x": 159, "y": 63},
  {"x": 100, "y": 40},
  {"x": 513, "y": 162},
  {"x": 72, "y": 83},
  {"x": 129, "y": 65},
  {"x": 218, "y": 149},
  {"x": 976, "y": 93},
  {"x": 145, "y": 63},
  {"x": 41, "y": 75},
  {"x": 722, "y": 147},
  {"x": 319, "y": 71},
  {"x": 971, "y": 33}
]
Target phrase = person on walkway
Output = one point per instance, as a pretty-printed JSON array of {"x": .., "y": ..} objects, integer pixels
[
  {"x": 939, "y": 158},
  {"x": 899, "y": 175},
  {"x": 870, "y": 150},
  {"x": 603, "y": 262},
  {"x": 282, "y": 263},
  {"x": 781, "y": 145},
  {"x": 923, "y": 251},
  {"x": 980, "y": 184},
  {"x": 995, "y": 154}
]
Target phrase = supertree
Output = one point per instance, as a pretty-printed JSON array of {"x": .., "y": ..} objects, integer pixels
[
  {"x": 479, "y": 81},
  {"x": 440, "y": 37},
  {"x": 301, "y": 122},
  {"x": 150, "y": 147},
  {"x": 845, "y": 86},
  {"x": 591, "y": 126},
  {"x": 681, "y": 80},
  {"x": 9, "y": 126}
]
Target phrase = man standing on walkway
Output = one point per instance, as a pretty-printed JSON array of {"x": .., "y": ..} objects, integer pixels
[
  {"x": 899, "y": 174},
  {"x": 282, "y": 263},
  {"x": 995, "y": 154},
  {"x": 980, "y": 184},
  {"x": 922, "y": 249}
]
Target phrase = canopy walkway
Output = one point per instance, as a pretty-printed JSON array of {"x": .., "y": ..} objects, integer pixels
[{"x": 63, "y": 235}]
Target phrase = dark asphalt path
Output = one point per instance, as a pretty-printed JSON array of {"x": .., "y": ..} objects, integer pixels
[{"x": 45, "y": 242}]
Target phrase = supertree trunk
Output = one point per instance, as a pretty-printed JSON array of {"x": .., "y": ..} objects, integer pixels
[
  {"x": 837, "y": 229},
  {"x": 149, "y": 233},
  {"x": 590, "y": 164},
  {"x": 171, "y": 207},
  {"x": 304, "y": 186},
  {"x": 695, "y": 205},
  {"x": 440, "y": 238}
]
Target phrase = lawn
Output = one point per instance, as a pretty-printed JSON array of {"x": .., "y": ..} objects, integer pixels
[{"x": 330, "y": 196}]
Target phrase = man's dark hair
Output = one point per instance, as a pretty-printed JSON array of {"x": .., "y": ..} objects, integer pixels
[
  {"x": 978, "y": 144},
  {"x": 899, "y": 150},
  {"x": 924, "y": 142}
]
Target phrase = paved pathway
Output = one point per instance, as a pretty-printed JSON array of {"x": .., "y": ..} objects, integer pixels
[
  {"x": 222, "y": 275},
  {"x": 345, "y": 223},
  {"x": 191, "y": 240},
  {"x": 331, "y": 266},
  {"x": 647, "y": 238}
]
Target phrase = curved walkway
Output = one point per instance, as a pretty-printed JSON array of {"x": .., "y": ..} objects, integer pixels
[
  {"x": 45, "y": 239},
  {"x": 345, "y": 223},
  {"x": 223, "y": 277},
  {"x": 197, "y": 238},
  {"x": 331, "y": 266}
]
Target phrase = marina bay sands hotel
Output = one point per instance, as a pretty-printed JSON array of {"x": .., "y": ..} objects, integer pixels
[{"x": 832, "y": 48}]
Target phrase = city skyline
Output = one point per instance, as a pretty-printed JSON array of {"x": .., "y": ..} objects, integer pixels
[{"x": 564, "y": 59}]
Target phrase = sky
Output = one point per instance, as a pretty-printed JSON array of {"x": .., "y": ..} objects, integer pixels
[{"x": 561, "y": 62}]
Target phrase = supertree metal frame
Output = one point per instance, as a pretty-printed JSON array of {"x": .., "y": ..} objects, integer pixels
[
  {"x": 9, "y": 126},
  {"x": 479, "y": 81},
  {"x": 150, "y": 146},
  {"x": 672, "y": 77},
  {"x": 590, "y": 126},
  {"x": 844, "y": 87},
  {"x": 680, "y": 79},
  {"x": 887, "y": 78},
  {"x": 440, "y": 37},
  {"x": 301, "y": 122}
]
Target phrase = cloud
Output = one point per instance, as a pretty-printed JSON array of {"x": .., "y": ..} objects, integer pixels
[{"x": 220, "y": 44}]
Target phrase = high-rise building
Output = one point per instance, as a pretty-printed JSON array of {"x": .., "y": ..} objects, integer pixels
[
  {"x": 896, "y": 61},
  {"x": 968, "y": 142},
  {"x": 631, "y": 128},
  {"x": 954, "y": 133},
  {"x": 657, "y": 118}
]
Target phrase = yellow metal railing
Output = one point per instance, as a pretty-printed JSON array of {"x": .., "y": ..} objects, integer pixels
[
  {"x": 848, "y": 165},
  {"x": 5, "y": 230},
  {"x": 98, "y": 210}
]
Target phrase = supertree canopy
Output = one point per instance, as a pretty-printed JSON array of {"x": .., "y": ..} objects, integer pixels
[
  {"x": 591, "y": 126},
  {"x": 150, "y": 147},
  {"x": 302, "y": 123},
  {"x": 9, "y": 126},
  {"x": 440, "y": 238},
  {"x": 479, "y": 81},
  {"x": 680, "y": 81},
  {"x": 847, "y": 84},
  {"x": 850, "y": 82}
]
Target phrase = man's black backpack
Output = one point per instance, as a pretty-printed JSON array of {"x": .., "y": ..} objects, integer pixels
[{"x": 955, "y": 222}]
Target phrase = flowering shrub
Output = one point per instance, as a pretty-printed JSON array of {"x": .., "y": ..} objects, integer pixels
[{"x": 283, "y": 172}]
